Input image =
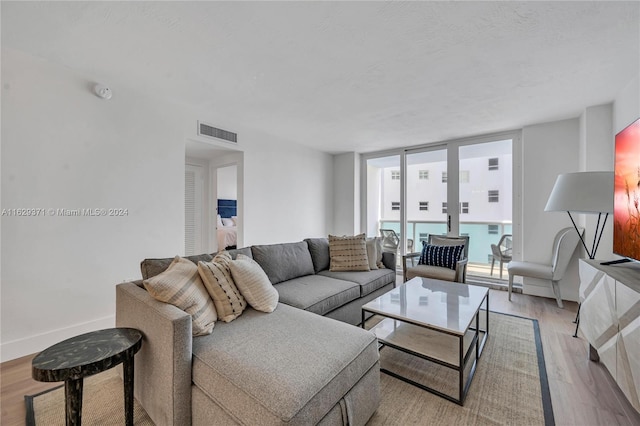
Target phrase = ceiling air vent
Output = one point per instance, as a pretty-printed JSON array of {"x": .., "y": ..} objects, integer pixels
[{"x": 214, "y": 132}]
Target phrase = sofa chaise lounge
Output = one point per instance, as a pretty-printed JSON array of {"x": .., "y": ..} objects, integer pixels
[{"x": 296, "y": 365}]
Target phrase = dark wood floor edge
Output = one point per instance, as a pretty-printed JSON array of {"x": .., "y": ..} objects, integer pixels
[
  {"x": 547, "y": 406},
  {"x": 30, "y": 419}
]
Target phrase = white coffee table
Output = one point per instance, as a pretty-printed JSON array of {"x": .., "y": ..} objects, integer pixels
[{"x": 434, "y": 320}]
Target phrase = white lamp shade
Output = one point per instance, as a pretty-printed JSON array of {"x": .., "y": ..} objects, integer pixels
[{"x": 583, "y": 192}]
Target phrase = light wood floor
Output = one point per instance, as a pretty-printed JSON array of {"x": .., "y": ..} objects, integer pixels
[{"x": 583, "y": 392}]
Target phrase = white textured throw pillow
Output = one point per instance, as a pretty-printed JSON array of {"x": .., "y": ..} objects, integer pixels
[
  {"x": 181, "y": 286},
  {"x": 374, "y": 253},
  {"x": 254, "y": 284}
]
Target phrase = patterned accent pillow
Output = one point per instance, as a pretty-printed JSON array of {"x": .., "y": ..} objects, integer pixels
[
  {"x": 254, "y": 284},
  {"x": 444, "y": 256},
  {"x": 348, "y": 253},
  {"x": 181, "y": 286},
  {"x": 216, "y": 276}
]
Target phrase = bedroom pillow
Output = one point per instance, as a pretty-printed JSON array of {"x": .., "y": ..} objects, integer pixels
[
  {"x": 217, "y": 279},
  {"x": 348, "y": 253},
  {"x": 254, "y": 284},
  {"x": 444, "y": 256},
  {"x": 234, "y": 219},
  {"x": 181, "y": 286},
  {"x": 219, "y": 222},
  {"x": 227, "y": 222}
]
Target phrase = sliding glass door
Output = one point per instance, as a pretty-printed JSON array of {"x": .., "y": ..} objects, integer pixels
[
  {"x": 426, "y": 196},
  {"x": 455, "y": 188},
  {"x": 485, "y": 203}
]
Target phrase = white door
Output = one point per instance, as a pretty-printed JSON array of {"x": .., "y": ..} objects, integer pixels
[{"x": 193, "y": 203}]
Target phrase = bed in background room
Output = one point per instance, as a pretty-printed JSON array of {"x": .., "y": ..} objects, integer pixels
[{"x": 227, "y": 228}]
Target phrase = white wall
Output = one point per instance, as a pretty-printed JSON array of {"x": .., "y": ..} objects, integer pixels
[
  {"x": 596, "y": 154},
  {"x": 287, "y": 190},
  {"x": 62, "y": 147},
  {"x": 626, "y": 107},
  {"x": 346, "y": 194},
  {"x": 548, "y": 149},
  {"x": 227, "y": 183}
]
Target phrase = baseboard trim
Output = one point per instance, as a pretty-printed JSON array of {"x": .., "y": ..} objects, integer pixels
[{"x": 37, "y": 343}]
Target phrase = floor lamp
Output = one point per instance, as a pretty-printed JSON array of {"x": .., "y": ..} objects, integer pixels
[{"x": 584, "y": 192}]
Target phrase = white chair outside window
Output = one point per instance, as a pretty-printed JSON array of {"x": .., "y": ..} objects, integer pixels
[
  {"x": 501, "y": 252},
  {"x": 564, "y": 245}
]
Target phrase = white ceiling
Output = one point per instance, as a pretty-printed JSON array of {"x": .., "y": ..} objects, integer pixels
[{"x": 347, "y": 76}]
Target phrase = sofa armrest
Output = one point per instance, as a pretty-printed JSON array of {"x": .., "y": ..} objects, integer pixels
[
  {"x": 389, "y": 260},
  {"x": 163, "y": 364}
]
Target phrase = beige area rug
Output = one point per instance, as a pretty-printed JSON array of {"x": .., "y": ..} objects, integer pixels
[
  {"x": 509, "y": 388},
  {"x": 510, "y": 385},
  {"x": 102, "y": 404}
]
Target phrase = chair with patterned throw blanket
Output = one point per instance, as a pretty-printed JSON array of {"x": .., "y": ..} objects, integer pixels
[{"x": 441, "y": 258}]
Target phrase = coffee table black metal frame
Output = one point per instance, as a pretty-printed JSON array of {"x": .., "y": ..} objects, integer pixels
[
  {"x": 78, "y": 357},
  {"x": 477, "y": 343}
]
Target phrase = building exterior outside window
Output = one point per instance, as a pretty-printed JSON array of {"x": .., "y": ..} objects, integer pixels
[
  {"x": 423, "y": 174},
  {"x": 444, "y": 177},
  {"x": 493, "y": 229},
  {"x": 395, "y": 205},
  {"x": 464, "y": 207},
  {"x": 424, "y": 206},
  {"x": 464, "y": 176},
  {"x": 395, "y": 174},
  {"x": 444, "y": 208},
  {"x": 494, "y": 196},
  {"x": 493, "y": 164}
]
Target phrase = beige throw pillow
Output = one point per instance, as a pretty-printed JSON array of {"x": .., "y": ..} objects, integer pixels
[
  {"x": 216, "y": 276},
  {"x": 254, "y": 284},
  {"x": 181, "y": 286},
  {"x": 372, "y": 254},
  {"x": 348, "y": 253}
]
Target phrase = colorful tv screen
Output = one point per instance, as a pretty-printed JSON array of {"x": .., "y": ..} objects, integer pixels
[{"x": 626, "y": 209}]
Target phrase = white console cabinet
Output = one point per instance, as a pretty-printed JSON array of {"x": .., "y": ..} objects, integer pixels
[{"x": 610, "y": 320}]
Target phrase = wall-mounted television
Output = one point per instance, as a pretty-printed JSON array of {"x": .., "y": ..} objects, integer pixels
[{"x": 626, "y": 201}]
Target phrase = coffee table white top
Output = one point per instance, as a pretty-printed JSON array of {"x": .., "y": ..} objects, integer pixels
[{"x": 440, "y": 305}]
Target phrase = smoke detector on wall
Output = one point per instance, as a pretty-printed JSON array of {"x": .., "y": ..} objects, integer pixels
[{"x": 103, "y": 91}]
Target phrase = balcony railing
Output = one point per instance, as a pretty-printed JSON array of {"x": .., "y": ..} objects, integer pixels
[{"x": 481, "y": 236}]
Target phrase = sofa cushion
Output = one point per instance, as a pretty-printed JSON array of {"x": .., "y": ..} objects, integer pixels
[
  {"x": 217, "y": 278},
  {"x": 348, "y": 253},
  {"x": 435, "y": 272},
  {"x": 282, "y": 262},
  {"x": 254, "y": 284},
  {"x": 368, "y": 281},
  {"x": 317, "y": 294},
  {"x": 319, "y": 249},
  {"x": 235, "y": 252},
  {"x": 152, "y": 267},
  {"x": 264, "y": 369},
  {"x": 181, "y": 286}
]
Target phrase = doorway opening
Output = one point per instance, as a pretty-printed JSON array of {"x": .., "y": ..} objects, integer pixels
[{"x": 213, "y": 197}]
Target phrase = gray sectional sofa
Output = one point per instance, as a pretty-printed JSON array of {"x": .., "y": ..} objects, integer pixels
[{"x": 296, "y": 365}]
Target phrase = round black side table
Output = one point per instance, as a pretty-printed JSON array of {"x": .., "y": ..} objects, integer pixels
[{"x": 85, "y": 355}]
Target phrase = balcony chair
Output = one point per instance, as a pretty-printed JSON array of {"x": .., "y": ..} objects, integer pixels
[
  {"x": 411, "y": 268},
  {"x": 391, "y": 241},
  {"x": 564, "y": 244},
  {"x": 501, "y": 252}
]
